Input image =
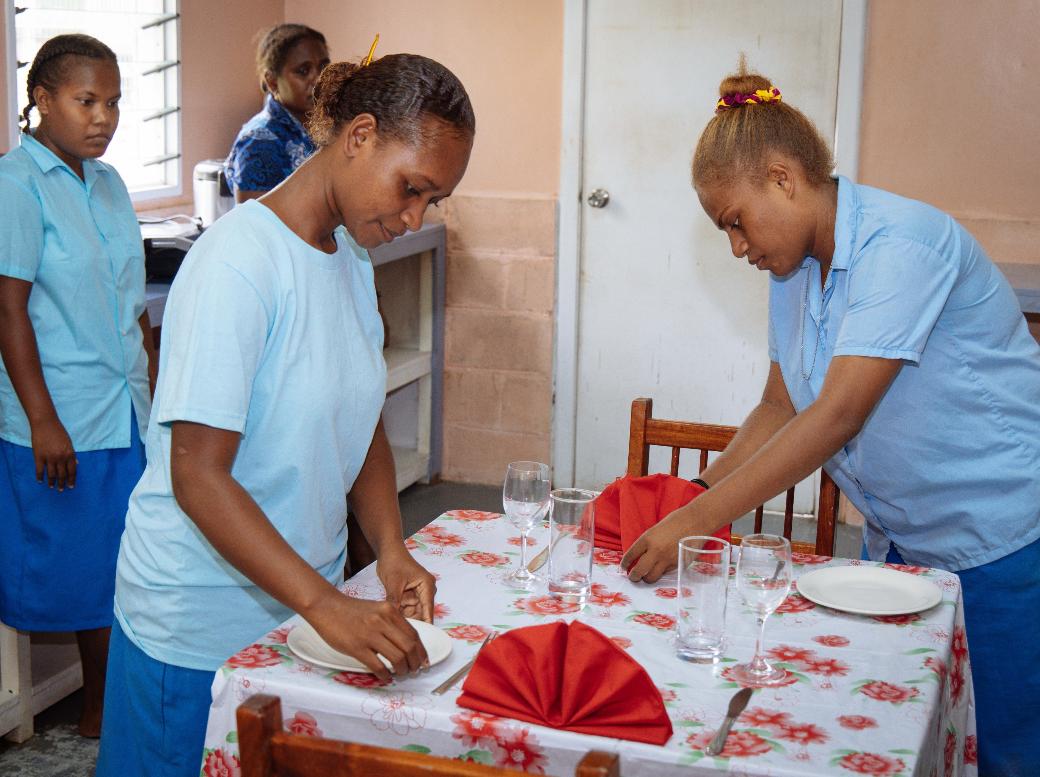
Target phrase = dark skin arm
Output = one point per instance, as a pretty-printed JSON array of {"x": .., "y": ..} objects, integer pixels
[
  {"x": 51, "y": 445},
  {"x": 853, "y": 387},
  {"x": 149, "y": 348},
  {"x": 200, "y": 460},
  {"x": 374, "y": 501}
]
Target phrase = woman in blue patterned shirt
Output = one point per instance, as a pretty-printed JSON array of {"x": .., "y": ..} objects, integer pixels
[{"x": 273, "y": 143}]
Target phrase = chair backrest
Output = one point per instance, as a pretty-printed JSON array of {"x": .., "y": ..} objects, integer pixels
[
  {"x": 645, "y": 431},
  {"x": 266, "y": 750}
]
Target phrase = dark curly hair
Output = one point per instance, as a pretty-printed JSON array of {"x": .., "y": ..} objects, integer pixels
[
  {"x": 50, "y": 66},
  {"x": 400, "y": 90},
  {"x": 275, "y": 44}
]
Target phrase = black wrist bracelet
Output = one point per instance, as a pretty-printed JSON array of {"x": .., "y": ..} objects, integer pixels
[{"x": 700, "y": 483}]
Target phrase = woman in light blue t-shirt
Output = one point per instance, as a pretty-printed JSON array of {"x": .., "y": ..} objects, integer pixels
[
  {"x": 267, "y": 420},
  {"x": 901, "y": 363}
]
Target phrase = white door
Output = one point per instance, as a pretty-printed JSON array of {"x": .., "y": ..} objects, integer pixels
[{"x": 664, "y": 309}]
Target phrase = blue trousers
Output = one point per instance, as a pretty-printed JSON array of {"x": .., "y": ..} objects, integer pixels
[
  {"x": 155, "y": 714},
  {"x": 1002, "y": 617}
]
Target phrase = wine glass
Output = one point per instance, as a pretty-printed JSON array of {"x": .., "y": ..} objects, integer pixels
[
  {"x": 525, "y": 497},
  {"x": 763, "y": 579}
]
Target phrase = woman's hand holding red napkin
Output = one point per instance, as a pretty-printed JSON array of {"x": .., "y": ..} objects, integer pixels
[{"x": 567, "y": 676}]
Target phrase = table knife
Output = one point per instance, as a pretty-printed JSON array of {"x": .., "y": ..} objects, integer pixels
[
  {"x": 736, "y": 706},
  {"x": 450, "y": 682}
]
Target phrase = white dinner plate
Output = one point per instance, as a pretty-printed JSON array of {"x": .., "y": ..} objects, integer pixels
[
  {"x": 305, "y": 642},
  {"x": 869, "y": 590}
]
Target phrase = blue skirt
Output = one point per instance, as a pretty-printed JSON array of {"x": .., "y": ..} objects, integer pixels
[{"x": 58, "y": 549}]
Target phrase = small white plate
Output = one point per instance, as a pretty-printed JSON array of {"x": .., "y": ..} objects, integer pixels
[
  {"x": 869, "y": 590},
  {"x": 305, "y": 642}
]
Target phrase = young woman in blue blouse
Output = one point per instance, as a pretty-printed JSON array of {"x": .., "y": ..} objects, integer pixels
[
  {"x": 272, "y": 144},
  {"x": 76, "y": 345},
  {"x": 902, "y": 364}
]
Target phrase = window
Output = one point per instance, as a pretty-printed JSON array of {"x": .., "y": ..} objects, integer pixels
[{"x": 144, "y": 35}]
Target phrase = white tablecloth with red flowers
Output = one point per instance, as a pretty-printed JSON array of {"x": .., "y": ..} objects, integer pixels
[{"x": 865, "y": 695}]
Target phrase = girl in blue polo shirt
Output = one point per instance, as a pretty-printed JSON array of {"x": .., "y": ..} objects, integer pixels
[
  {"x": 289, "y": 59},
  {"x": 75, "y": 341},
  {"x": 901, "y": 363}
]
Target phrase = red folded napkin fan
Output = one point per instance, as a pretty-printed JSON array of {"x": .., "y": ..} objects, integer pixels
[
  {"x": 567, "y": 676},
  {"x": 629, "y": 506}
]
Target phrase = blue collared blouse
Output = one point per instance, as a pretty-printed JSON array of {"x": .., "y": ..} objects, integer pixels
[
  {"x": 77, "y": 241},
  {"x": 947, "y": 467}
]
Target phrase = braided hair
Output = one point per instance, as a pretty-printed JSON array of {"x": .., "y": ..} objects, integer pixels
[
  {"x": 50, "y": 66},
  {"x": 275, "y": 45},
  {"x": 399, "y": 90}
]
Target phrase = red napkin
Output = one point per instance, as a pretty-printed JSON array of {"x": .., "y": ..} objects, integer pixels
[
  {"x": 567, "y": 676},
  {"x": 629, "y": 506}
]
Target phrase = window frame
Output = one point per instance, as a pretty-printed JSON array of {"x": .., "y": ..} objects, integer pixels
[{"x": 173, "y": 121}]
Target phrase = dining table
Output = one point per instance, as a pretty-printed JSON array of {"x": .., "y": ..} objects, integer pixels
[{"x": 862, "y": 694}]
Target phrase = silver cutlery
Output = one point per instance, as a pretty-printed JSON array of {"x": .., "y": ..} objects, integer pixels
[
  {"x": 450, "y": 682},
  {"x": 736, "y": 706}
]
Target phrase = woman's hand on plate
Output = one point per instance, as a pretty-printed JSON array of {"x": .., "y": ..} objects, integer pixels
[{"x": 408, "y": 585}]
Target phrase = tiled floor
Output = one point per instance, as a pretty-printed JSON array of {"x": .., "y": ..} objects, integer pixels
[{"x": 57, "y": 751}]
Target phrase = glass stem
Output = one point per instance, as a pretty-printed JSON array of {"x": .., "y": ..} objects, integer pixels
[
  {"x": 523, "y": 550},
  {"x": 758, "y": 663}
]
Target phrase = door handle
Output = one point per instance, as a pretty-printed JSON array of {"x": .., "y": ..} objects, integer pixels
[{"x": 599, "y": 198}]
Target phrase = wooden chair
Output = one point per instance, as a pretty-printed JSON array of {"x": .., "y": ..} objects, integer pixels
[
  {"x": 645, "y": 430},
  {"x": 268, "y": 751}
]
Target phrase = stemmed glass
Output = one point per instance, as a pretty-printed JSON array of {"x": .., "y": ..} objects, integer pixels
[
  {"x": 763, "y": 579},
  {"x": 525, "y": 497}
]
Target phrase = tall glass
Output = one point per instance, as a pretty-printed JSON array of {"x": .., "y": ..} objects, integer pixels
[
  {"x": 525, "y": 497},
  {"x": 764, "y": 580},
  {"x": 701, "y": 598},
  {"x": 572, "y": 527}
]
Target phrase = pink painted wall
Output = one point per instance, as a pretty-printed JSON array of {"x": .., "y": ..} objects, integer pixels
[
  {"x": 508, "y": 54},
  {"x": 950, "y": 114}
]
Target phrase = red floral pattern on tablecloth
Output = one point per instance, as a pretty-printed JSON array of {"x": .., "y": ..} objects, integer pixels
[
  {"x": 826, "y": 667},
  {"x": 279, "y": 635},
  {"x": 655, "y": 619},
  {"x": 666, "y": 593},
  {"x": 600, "y": 595},
  {"x": 872, "y": 763},
  {"x": 739, "y": 744},
  {"x": 908, "y": 568},
  {"x": 789, "y": 653},
  {"x": 607, "y": 557},
  {"x": 794, "y": 603},
  {"x": 622, "y": 642},
  {"x": 545, "y": 605},
  {"x": 757, "y": 717},
  {"x": 889, "y": 692},
  {"x": 436, "y": 535},
  {"x": 475, "y": 516},
  {"x": 856, "y": 722},
  {"x": 359, "y": 680},
  {"x": 219, "y": 763},
  {"x": 789, "y": 679},
  {"x": 971, "y": 750},
  {"x": 484, "y": 559},
  {"x": 808, "y": 558},
  {"x": 937, "y": 665},
  {"x": 949, "y": 751},
  {"x": 531, "y": 541},
  {"x": 832, "y": 640},
  {"x": 255, "y": 657},
  {"x": 519, "y": 749},
  {"x": 304, "y": 724},
  {"x": 904, "y": 619},
  {"x": 476, "y": 729},
  {"x": 468, "y": 632},
  {"x": 802, "y": 734}
]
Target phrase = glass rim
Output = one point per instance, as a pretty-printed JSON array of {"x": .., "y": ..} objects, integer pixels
[
  {"x": 557, "y": 494},
  {"x": 527, "y": 466},
  {"x": 685, "y": 542},
  {"x": 766, "y": 541}
]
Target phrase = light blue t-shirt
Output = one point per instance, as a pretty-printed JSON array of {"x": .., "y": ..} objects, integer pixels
[
  {"x": 78, "y": 243},
  {"x": 267, "y": 336},
  {"x": 947, "y": 467}
]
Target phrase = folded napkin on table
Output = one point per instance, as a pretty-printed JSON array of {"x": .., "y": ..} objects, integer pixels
[
  {"x": 567, "y": 676},
  {"x": 629, "y": 506}
]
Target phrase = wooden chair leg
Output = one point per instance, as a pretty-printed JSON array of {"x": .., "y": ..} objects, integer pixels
[
  {"x": 16, "y": 713},
  {"x": 259, "y": 718},
  {"x": 599, "y": 764}
]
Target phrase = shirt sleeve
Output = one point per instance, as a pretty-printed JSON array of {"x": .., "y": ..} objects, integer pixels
[
  {"x": 897, "y": 290},
  {"x": 214, "y": 335},
  {"x": 258, "y": 164},
  {"x": 21, "y": 231}
]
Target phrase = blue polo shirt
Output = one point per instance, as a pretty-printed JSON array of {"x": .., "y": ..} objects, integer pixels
[
  {"x": 947, "y": 467},
  {"x": 77, "y": 241},
  {"x": 266, "y": 336},
  {"x": 268, "y": 148}
]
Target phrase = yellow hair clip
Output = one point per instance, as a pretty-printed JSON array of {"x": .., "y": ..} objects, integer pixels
[{"x": 372, "y": 50}]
